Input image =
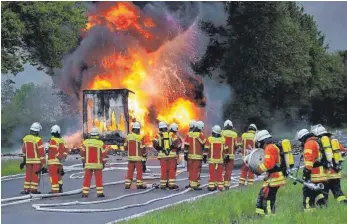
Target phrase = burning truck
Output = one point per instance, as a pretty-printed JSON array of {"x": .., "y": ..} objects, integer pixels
[{"x": 107, "y": 109}]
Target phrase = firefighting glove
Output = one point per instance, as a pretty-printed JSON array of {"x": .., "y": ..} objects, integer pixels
[
  {"x": 62, "y": 171},
  {"x": 83, "y": 164},
  {"x": 103, "y": 165},
  {"x": 21, "y": 166},
  {"x": 306, "y": 174},
  {"x": 144, "y": 167},
  {"x": 317, "y": 164},
  {"x": 226, "y": 158},
  {"x": 185, "y": 156},
  {"x": 205, "y": 159}
]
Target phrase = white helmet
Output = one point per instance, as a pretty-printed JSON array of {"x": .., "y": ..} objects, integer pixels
[
  {"x": 174, "y": 127},
  {"x": 36, "y": 127},
  {"x": 94, "y": 131},
  {"x": 216, "y": 129},
  {"x": 300, "y": 134},
  {"x": 200, "y": 125},
  {"x": 253, "y": 126},
  {"x": 261, "y": 135},
  {"x": 136, "y": 125},
  {"x": 318, "y": 130},
  {"x": 228, "y": 123},
  {"x": 192, "y": 124},
  {"x": 162, "y": 124},
  {"x": 55, "y": 129}
]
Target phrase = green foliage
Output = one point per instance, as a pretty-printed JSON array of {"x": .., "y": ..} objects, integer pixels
[
  {"x": 40, "y": 33},
  {"x": 274, "y": 58},
  {"x": 11, "y": 167}
]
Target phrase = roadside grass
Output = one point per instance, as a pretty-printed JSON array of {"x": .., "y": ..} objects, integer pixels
[
  {"x": 238, "y": 206},
  {"x": 11, "y": 167}
]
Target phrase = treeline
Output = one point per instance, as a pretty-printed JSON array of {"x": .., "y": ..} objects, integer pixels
[{"x": 276, "y": 61}]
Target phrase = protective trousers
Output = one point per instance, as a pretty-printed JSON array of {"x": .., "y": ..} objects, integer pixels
[
  {"x": 334, "y": 186},
  {"x": 168, "y": 172},
  {"x": 266, "y": 201},
  {"x": 31, "y": 181},
  {"x": 228, "y": 167},
  {"x": 246, "y": 175},
  {"x": 55, "y": 177},
  {"x": 216, "y": 176},
  {"x": 98, "y": 180},
  {"x": 312, "y": 198},
  {"x": 194, "y": 172},
  {"x": 132, "y": 165}
]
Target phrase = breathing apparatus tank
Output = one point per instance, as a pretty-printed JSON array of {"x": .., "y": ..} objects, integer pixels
[
  {"x": 336, "y": 151},
  {"x": 287, "y": 151},
  {"x": 327, "y": 151}
]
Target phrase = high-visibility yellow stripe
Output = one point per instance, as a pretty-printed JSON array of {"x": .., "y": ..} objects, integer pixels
[
  {"x": 259, "y": 211},
  {"x": 307, "y": 200},
  {"x": 341, "y": 198}
]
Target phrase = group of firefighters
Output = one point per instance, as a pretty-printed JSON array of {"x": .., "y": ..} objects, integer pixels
[{"x": 322, "y": 160}]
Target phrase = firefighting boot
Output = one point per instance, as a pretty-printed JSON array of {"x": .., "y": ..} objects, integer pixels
[
  {"x": 142, "y": 186},
  {"x": 127, "y": 186},
  {"x": 226, "y": 187},
  {"x": 35, "y": 192},
  {"x": 101, "y": 195},
  {"x": 84, "y": 195},
  {"x": 60, "y": 188},
  {"x": 163, "y": 187},
  {"x": 211, "y": 188},
  {"x": 187, "y": 186},
  {"x": 196, "y": 188},
  {"x": 174, "y": 187},
  {"x": 24, "y": 192}
]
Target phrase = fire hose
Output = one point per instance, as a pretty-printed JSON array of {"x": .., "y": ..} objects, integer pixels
[{"x": 312, "y": 186}]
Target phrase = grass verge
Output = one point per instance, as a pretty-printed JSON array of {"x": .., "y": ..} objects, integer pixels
[
  {"x": 10, "y": 167},
  {"x": 238, "y": 206}
]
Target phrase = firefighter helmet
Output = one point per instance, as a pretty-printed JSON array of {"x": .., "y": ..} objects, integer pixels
[
  {"x": 174, "y": 127},
  {"x": 55, "y": 129},
  {"x": 136, "y": 125},
  {"x": 36, "y": 127},
  {"x": 228, "y": 123},
  {"x": 94, "y": 131},
  {"x": 318, "y": 130},
  {"x": 252, "y": 127},
  {"x": 200, "y": 125},
  {"x": 301, "y": 134},
  {"x": 216, "y": 129},
  {"x": 162, "y": 124},
  {"x": 192, "y": 124},
  {"x": 261, "y": 135}
]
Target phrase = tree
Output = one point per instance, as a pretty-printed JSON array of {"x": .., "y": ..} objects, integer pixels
[{"x": 40, "y": 33}]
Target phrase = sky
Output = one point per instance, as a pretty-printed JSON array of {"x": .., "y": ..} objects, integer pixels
[{"x": 331, "y": 18}]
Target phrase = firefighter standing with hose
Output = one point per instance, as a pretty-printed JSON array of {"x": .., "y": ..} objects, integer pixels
[
  {"x": 194, "y": 148},
  {"x": 57, "y": 153},
  {"x": 215, "y": 146},
  {"x": 333, "y": 172},
  {"x": 93, "y": 156},
  {"x": 272, "y": 166},
  {"x": 176, "y": 147},
  {"x": 247, "y": 146},
  {"x": 33, "y": 160},
  {"x": 162, "y": 142},
  {"x": 313, "y": 170},
  {"x": 134, "y": 144}
]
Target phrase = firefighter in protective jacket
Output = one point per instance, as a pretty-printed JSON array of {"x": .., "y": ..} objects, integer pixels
[
  {"x": 215, "y": 146},
  {"x": 247, "y": 146},
  {"x": 176, "y": 145},
  {"x": 34, "y": 159},
  {"x": 274, "y": 179},
  {"x": 334, "y": 172},
  {"x": 134, "y": 144},
  {"x": 57, "y": 153},
  {"x": 313, "y": 171},
  {"x": 194, "y": 146},
  {"x": 163, "y": 143},
  {"x": 93, "y": 156},
  {"x": 230, "y": 141}
]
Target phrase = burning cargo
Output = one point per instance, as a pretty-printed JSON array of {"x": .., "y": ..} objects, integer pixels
[{"x": 108, "y": 111}]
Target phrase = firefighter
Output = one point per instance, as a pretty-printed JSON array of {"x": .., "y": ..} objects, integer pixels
[
  {"x": 33, "y": 159},
  {"x": 162, "y": 143},
  {"x": 247, "y": 146},
  {"x": 93, "y": 156},
  {"x": 192, "y": 125},
  {"x": 215, "y": 146},
  {"x": 134, "y": 144},
  {"x": 57, "y": 153},
  {"x": 313, "y": 170},
  {"x": 230, "y": 141},
  {"x": 194, "y": 148},
  {"x": 334, "y": 172},
  {"x": 176, "y": 144},
  {"x": 271, "y": 165}
]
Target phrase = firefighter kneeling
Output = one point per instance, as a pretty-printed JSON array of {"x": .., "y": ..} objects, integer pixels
[
  {"x": 94, "y": 157},
  {"x": 215, "y": 146},
  {"x": 313, "y": 171},
  {"x": 275, "y": 178},
  {"x": 134, "y": 144}
]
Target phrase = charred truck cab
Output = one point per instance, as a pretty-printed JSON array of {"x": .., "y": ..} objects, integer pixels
[{"x": 108, "y": 111}]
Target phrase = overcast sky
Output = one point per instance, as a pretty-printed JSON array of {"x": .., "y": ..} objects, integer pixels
[{"x": 331, "y": 18}]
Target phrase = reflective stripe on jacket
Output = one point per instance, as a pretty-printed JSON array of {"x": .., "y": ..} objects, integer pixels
[
  {"x": 312, "y": 154},
  {"x": 215, "y": 149},
  {"x": 93, "y": 153},
  {"x": 134, "y": 144},
  {"x": 195, "y": 144},
  {"x": 33, "y": 149},
  {"x": 230, "y": 137},
  {"x": 56, "y": 151}
]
